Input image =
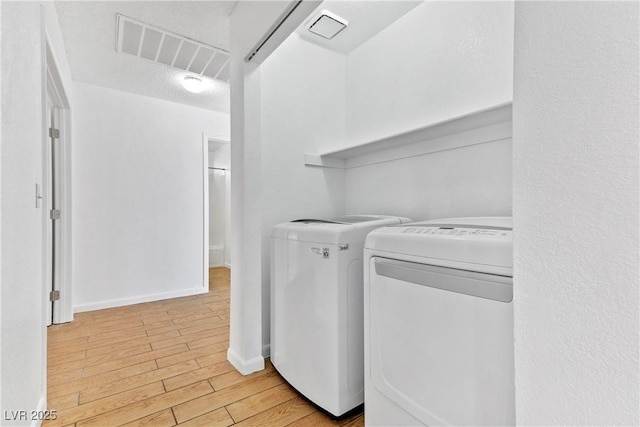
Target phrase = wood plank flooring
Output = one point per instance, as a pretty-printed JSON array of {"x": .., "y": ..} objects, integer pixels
[{"x": 164, "y": 363}]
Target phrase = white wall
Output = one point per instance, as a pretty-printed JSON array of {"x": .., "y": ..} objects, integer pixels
[
  {"x": 138, "y": 197},
  {"x": 22, "y": 289},
  {"x": 439, "y": 61},
  {"x": 303, "y": 107},
  {"x": 23, "y": 333},
  {"x": 576, "y": 213},
  {"x": 469, "y": 181},
  {"x": 1, "y": 233}
]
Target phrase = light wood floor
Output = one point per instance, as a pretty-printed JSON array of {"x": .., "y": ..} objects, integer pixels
[{"x": 162, "y": 364}]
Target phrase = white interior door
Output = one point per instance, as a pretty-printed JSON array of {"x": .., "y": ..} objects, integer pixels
[
  {"x": 56, "y": 190},
  {"x": 52, "y": 209},
  {"x": 55, "y": 211},
  {"x": 47, "y": 205}
]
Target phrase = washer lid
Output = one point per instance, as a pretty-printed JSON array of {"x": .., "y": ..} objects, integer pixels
[
  {"x": 342, "y": 229},
  {"x": 481, "y": 240}
]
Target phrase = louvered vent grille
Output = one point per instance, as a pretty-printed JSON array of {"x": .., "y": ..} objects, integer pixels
[{"x": 164, "y": 47}]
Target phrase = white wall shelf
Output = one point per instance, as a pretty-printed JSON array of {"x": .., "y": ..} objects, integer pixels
[{"x": 481, "y": 126}]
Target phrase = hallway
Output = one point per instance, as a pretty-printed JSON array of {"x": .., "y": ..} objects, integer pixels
[{"x": 163, "y": 363}]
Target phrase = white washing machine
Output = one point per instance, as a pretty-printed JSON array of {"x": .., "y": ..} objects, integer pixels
[
  {"x": 317, "y": 308},
  {"x": 439, "y": 323}
]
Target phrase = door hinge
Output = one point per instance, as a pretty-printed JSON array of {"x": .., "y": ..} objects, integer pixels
[
  {"x": 54, "y": 295},
  {"x": 54, "y": 214},
  {"x": 54, "y": 133}
]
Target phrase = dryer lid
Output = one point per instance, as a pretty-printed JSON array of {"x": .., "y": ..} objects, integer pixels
[
  {"x": 345, "y": 219},
  {"x": 317, "y": 221},
  {"x": 342, "y": 229}
]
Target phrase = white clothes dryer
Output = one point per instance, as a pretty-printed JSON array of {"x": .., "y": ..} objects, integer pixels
[
  {"x": 439, "y": 323},
  {"x": 317, "y": 308}
]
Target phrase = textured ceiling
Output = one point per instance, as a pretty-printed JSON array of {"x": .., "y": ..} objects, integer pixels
[{"x": 88, "y": 29}]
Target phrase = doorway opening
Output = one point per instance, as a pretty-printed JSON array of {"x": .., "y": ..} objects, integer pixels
[{"x": 217, "y": 201}]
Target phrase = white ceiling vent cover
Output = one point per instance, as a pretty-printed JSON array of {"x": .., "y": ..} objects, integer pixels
[
  {"x": 164, "y": 47},
  {"x": 327, "y": 24}
]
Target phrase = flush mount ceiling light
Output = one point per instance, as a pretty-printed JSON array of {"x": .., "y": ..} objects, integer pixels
[
  {"x": 193, "y": 84},
  {"x": 327, "y": 24}
]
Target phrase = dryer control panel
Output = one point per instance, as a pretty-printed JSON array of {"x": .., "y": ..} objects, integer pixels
[
  {"x": 476, "y": 242},
  {"x": 456, "y": 231}
]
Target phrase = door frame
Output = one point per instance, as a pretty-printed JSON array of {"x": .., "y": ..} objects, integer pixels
[
  {"x": 54, "y": 88},
  {"x": 205, "y": 201}
]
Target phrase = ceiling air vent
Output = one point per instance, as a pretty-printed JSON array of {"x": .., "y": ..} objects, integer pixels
[
  {"x": 327, "y": 24},
  {"x": 164, "y": 47}
]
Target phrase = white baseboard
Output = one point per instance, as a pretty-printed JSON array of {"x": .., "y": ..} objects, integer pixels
[
  {"x": 228, "y": 265},
  {"x": 42, "y": 406},
  {"x": 245, "y": 367},
  {"x": 138, "y": 299}
]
